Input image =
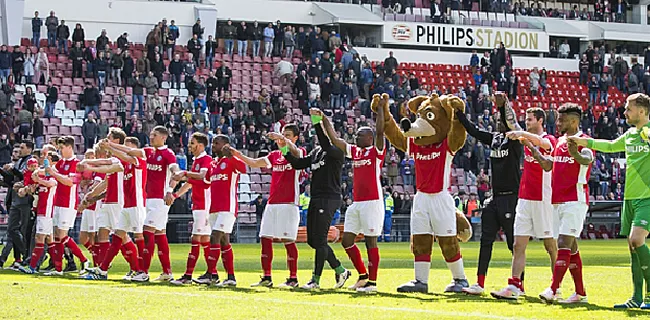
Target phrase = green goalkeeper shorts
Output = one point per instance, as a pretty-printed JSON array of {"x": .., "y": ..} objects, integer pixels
[{"x": 636, "y": 213}]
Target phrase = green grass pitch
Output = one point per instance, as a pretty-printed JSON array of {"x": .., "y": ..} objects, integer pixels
[{"x": 606, "y": 271}]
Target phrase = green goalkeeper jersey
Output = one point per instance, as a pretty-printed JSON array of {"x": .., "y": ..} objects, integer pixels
[{"x": 637, "y": 155}]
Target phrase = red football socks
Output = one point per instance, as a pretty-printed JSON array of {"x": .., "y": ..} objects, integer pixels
[
  {"x": 355, "y": 256},
  {"x": 192, "y": 257},
  {"x": 267, "y": 256},
  {"x": 112, "y": 251},
  {"x": 163, "y": 253},
  {"x": 74, "y": 248},
  {"x": 481, "y": 280},
  {"x": 140, "y": 244},
  {"x": 36, "y": 255},
  {"x": 373, "y": 263},
  {"x": 102, "y": 250},
  {"x": 575, "y": 267},
  {"x": 53, "y": 250},
  {"x": 561, "y": 266},
  {"x": 292, "y": 259},
  {"x": 147, "y": 252},
  {"x": 213, "y": 258},
  {"x": 228, "y": 258}
]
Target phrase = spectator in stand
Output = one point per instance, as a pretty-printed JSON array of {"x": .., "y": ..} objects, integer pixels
[
  {"x": 77, "y": 57},
  {"x": 29, "y": 66},
  {"x": 194, "y": 46},
  {"x": 583, "y": 66},
  {"x": 42, "y": 68},
  {"x": 533, "y": 77},
  {"x": 123, "y": 41},
  {"x": 157, "y": 67},
  {"x": 91, "y": 99},
  {"x": 51, "y": 97},
  {"x": 551, "y": 116},
  {"x": 229, "y": 33},
  {"x": 78, "y": 34},
  {"x": 90, "y": 55},
  {"x": 269, "y": 35},
  {"x": 256, "y": 34},
  {"x": 407, "y": 167},
  {"x": 52, "y": 23},
  {"x": 632, "y": 83},
  {"x": 128, "y": 68},
  {"x": 90, "y": 132},
  {"x": 198, "y": 30},
  {"x": 289, "y": 42},
  {"x": 101, "y": 67},
  {"x": 594, "y": 88},
  {"x": 38, "y": 131},
  {"x": 189, "y": 70},
  {"x": 137, "y": 83},
  {"x": 300, "y": 89},
  {"x": 102, "y": 41},
  {"x": 620, "y": 70},
  {"x": 473, "y": 60},
  {"x": 175, "y": 69},
  {"x": 210, "y": 49},
  {"x": 242, "y": 38},
  {"x": 253, "y": 138},
  {"x": 25, "y": 120},
  {"x": 318, "y": 47},
  {"x": 121, "y": 103},
  {"x": 29, "y": 100},
  {"x": 224, "y": 74},
  {"x": 503, "y": 80},
  {"x": 172, "y": 35},
  {"x": 37, "y": 24},
  {"x": 604, "y": 84},
  {"x": 278, "y": 41},
  {"x": 142, "y": 66},
  {"x": 151, "y": 84},
  {"x": 390, "y": 63},
  {"x": 17, "y": 63}
]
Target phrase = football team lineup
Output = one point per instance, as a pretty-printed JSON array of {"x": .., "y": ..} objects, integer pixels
[{"x": 126, "y": 209}]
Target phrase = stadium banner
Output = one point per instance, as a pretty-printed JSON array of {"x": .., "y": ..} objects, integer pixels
[{"x": 464, "y": 36}]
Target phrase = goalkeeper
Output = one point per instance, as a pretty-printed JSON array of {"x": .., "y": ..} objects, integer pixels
[{"x": 635, "y": 216}]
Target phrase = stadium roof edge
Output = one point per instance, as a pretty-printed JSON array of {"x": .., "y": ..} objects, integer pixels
[{"x": 349, "y": 14}]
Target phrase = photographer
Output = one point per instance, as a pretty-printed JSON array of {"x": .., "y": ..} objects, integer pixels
[{"x": 19, "y": 204}]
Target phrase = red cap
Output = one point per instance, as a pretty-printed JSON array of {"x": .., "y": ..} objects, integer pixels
[{"x": 32, "y": 161}]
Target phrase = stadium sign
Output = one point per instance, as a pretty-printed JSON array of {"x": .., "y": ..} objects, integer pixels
[{"x": 462, "y": 36}]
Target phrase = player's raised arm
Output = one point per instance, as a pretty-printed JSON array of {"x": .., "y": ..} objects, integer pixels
[
  {"x": 608, "y": 146},
  {"x": 65, "y": 180},
  {"x": 201, "y": 175},
  {"x": 134, "y": 152},
  {"x": 100, "y": 166},
  {"x": 251, "y": 162},
  {"x": 46, "y": 183},
  {"x": 546, "y": 162},
  {"x": 507, "y": 113},
  {"x": 297, "y": 162},
  {"x": 483, "y": 136},
  {"x": 183, "y": 190},
  {"x": 534, "y": 139},
  {"x": 292, "y": 147},
  {"x": 380, "y": 140},
  {"x": 583, "y": 157},
  {"x": 118, "y": 152},
  {"x": 329, "y": 130}
]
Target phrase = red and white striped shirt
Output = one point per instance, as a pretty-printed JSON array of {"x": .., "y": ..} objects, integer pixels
[
  {"x": 569, "y": 179},
  {"x": 135, "y": 179},
  {"x": 66, "y": 196},
  {"x": 223, "y": 188},
  {"x": 46, "y": 195},
  {"x": 96, "y": 177},
  {"x": 366, "y": 163},
  {"x": 159, "y": 174},
  {"x": 432, "y": 165},
  {"x": 284, "y": 178},
  {"x": 201, "y": 188},
  {"x": 535, "y": 182},
  {"x": 115, "y": 185}
]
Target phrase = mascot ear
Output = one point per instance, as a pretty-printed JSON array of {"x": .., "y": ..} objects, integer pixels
[
  {"x": 445, "y": 101},
  {"x": 414, "y": 103}
]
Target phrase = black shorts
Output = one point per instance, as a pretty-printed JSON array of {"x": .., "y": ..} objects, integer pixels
[
  {"x": 499, "y": 213},
  {"x": 319, "y": 218}
]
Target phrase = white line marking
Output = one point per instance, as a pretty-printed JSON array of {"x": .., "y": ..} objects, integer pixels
[{"x": 217, "y": 294}]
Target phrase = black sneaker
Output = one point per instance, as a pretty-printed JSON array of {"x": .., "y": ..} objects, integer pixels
[
  {"x": 342, "y": 278},
  {"x": 71, "y": 267},
  {"x": 184, "y": 280},
  {"x": 206, "y": 278}
]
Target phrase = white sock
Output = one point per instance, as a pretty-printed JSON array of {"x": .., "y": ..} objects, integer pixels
[
  {"x": 457, "y": 269},
  {"x": 422, "y": 271}
]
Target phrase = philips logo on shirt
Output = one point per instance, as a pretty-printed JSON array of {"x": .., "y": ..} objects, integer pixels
[
  {"x": 498, "y": 153},
  {"x": 282, "y": 167},
  {"x": 637, "y": 149},
  {"x": 530, "y": 159},
  {"x": 427, "y": 157},
  {"x": 220, "y": 177},
  {"x": 154, "y": 167},
  {"x": 361, "y": 163},
  {"x": 563, "y": 159},
  {"x": 128, "y": 176}
]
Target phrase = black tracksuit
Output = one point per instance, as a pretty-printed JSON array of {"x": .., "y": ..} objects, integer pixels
[
  {"x": 499, "y": 211},
  {"x": 326, "y": 162}
]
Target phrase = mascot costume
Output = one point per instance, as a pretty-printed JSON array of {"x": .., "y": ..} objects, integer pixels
[{"x": 432, "y": 140}]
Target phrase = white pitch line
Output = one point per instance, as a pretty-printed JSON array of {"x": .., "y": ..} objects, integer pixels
[{"x": 274, "y": 300}]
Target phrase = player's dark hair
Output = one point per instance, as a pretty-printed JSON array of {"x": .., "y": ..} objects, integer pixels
[
  {"x": 293, "y": 127},
  {"x": 570, "y": 108},
  {"x": 36, "y": 153},
  {"x": 161, "y": 130},
  {"x": 641, "y": 100},
  {"x": 54, "y": 156},
  {"x": 133, "y": 140},
  {"x": 117, "y": 133},
  {"x": 67, "y": 141},
  {"x": 538, "y": 113},
  {"x": 222, "y": 137},
  {"x": 200, "y": 138},
  {"x": 29, "y": 144}
]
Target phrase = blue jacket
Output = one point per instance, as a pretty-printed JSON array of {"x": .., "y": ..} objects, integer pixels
[
  {"x": 346, "y": 59},
  {"x": 37, "y": 23},
  {"x": 473, "y": 61},
  {"x": 366, "y": 76},
  {"x": 5, "y": 60},
  {"x": 174, "y": 32}
]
